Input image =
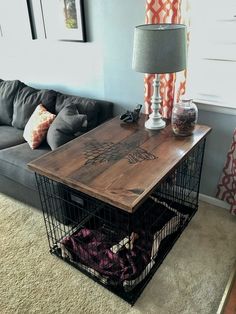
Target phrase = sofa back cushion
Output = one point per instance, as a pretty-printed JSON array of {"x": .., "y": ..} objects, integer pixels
[
  {"x": 25, "y": 102},
  {"x": 85, "y": 106},
  {"x": 8, "y": 90}
]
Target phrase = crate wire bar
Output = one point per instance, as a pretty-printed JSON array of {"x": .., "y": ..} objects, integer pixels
[{"x": 117, "y": 249}]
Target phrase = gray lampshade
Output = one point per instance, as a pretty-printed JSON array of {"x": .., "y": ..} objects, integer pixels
[{"x": 159, "y": 48}]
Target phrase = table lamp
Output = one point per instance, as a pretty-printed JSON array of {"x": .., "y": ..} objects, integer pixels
[{"x": 158, "y": 49}]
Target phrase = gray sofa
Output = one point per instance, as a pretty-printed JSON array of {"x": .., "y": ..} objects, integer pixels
[{"x": 17, "y": 103}]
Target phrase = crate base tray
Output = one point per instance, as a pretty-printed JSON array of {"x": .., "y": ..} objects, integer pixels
[{"x": 130, "y": 296}]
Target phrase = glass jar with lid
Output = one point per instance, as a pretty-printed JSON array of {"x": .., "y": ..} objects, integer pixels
[{"x": 184, "y": 117}]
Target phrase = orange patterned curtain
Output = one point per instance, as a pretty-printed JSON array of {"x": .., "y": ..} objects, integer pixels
[
  {"x": 226, "y": 189},
  {"x": 172, "y": 85}
]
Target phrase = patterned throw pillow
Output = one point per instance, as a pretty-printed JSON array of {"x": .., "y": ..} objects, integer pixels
[{"x": 36, "y": 128}]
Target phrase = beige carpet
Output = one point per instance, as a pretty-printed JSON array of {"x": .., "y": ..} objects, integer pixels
[{"x": 191, "y": 279}]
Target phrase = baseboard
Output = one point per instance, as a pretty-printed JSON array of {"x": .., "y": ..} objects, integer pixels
[
  {"x": 213, "y": 201},
  {"x": 228, "y": 301}
]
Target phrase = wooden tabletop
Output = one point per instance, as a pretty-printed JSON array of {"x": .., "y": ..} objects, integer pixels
[{"x": 118, "y": 163}]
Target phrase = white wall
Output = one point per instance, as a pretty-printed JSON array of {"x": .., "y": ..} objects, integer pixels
[
  {"x": 217, "y": 145},
  {"x": 122, "y": 85}
]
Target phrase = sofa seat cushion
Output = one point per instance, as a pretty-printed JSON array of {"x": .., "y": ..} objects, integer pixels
[
  {"x": 25, "y": 102},
  {"x": 14, "y": 160},
  {"x": 8, "y": 90},
  {"x": 10, "y": 136}
]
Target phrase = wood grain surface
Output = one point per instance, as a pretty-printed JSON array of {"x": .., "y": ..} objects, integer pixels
[{"x": 118, "y": 163}]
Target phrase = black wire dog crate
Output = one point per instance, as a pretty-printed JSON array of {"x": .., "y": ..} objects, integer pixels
[{"x": 118, "y": 249}]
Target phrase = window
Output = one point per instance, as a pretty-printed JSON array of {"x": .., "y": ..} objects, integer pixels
[{"x": 212, "y": 52}]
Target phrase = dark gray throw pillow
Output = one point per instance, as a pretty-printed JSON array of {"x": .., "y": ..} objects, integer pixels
[
  {"x": 85, "y": 105},
  {"x": 25, "y": 102},
  {"x": 8, "y": 90},
  {"x": 66, "y": 126}
]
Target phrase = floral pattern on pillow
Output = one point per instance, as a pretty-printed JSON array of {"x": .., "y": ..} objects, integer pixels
[{"x": 37, "y": 126}]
